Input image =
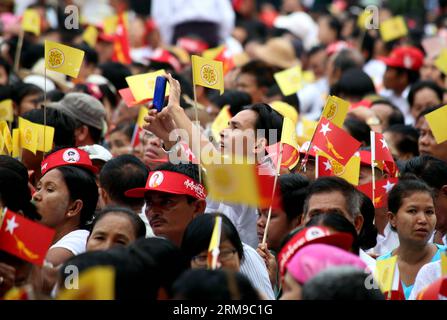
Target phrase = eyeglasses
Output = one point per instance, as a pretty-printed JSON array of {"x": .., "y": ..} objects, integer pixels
[{"x": 224, "y": 256}]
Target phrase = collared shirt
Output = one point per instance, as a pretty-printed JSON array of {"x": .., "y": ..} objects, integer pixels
[{"x": 400, "y": 101}]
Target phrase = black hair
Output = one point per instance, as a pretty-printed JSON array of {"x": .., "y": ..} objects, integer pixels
[
  {"x": 5, "y": 65},
  {"x": 268, "y": 119},
  {"x": 337, "y": 222},
  {"x": 430, "y": 169},
  {"x": 81, "y": 185},
  {"x": 63, "y": 124},
  {"x": 15, "y": 194},
  {"x": 416, "y": 87},
  {"x": 116, "y": 73},
  {"x": 413, "y": 75},
  {"x": 293, "y": 191},
  {"x": 127, "y": 128},
  {"x": 396, "y": 116},
  {"x": 90, "y": 54},
  {"x": 138, "y": 225},
  {"x": 55, "y": 95},
  {"x": 409, "y": 138},
  {"x": 358, "y": 129},
  {"x": 141, "y": 269},
  {"x": 289, "y": 236},
  {"x": 261, "y": 71},
  {"x": 237, "y": 100},
  {"x": 404, "y": 189},
  {"x": 335, "y": 25},
  {"x": 354, "y": 84},
  {"x": 198, "y": 233},
  {"x": 345, "y": 60},
  {"x": 123, "y": 173},
  {"x": 368, "y": 234},
  {"x": 203, "y": 284},
  {"x": 15, "y": 165},
  {"x": 316, "y": 49},
  {"x": 335, "y": 184},
  {"x": 428, "y": 110},
  {"x": 341, "y": 283},
  {"x": 291, "y": 99},
  {"x": 21, "y": 90},
  {"x": 105, "y": 91}
]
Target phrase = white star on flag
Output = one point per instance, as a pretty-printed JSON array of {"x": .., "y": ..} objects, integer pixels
[
  {"x": 11, "y": 224},
  {"x": 384, "y": 144},
  {"x": 327, "y": 165},
  {"x": 388, "y": 186},
  {"x": 325, "y": 128}
]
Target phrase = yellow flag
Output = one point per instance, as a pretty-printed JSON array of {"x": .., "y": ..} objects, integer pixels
[
  {"x": 2, "y": 144},
  {"x": 143, "y": 85},
  {"x": 141, "y": 114},
  {"x": 309, "y": 127},
  {"x": 90, "y": 36},
  {"x": 289, "y": 80},
  {"x": 441, "y": 61},
  {"x": 110, "y": 24},
  {"x": 95, "y": 283},
  {"x": 207, "y": 73},
  {"x": 235, "y": 183},
  {"x": 6, "y": 111},
  {"x": 437, "y": 120},
  {"x": 335, "y": 110},
  {"x": 286, "y": 110},
  {"x": 212, "y": 53},
  {"x": 444, "y": 264},
  {"x": 350, "y": 172},
  {"x": 221, "y": 122},
  {"x": 63, "y": 59},
  {"x": 213, "y": 248},
  {"x": 15, "y": 143},
  {"x": 393, "y": 29},
  {"x": 30, "y": 131},
  {"x": 31, "y": 21},
  {"x": 4, "y": 131},
  {"x": 364, "y": 17},
  {"x": 385, "y": 270}
]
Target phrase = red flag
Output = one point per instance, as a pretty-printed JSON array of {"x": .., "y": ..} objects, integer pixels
[
  {"x": 226, "y": 58},
  {"x": 381, "y": 152},
  {"x": 323, "y": 167},
  {"x": 290, "y": 155},
  {"x": 129, "y": 99},
  {"x": 434, "y": 291},
  {"x": 383, "y": 187},
  {"x": 24, "y": 238},
  {"x": 334, "y": 141},
  {"x": 266, "y": 183},
  {"x": 121, "y": 51}
]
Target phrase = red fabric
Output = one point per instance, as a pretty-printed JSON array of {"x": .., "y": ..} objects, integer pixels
[
  {"x": 24, "y": 238},
  {"x": 266, "y": 184},
  {"x": 290, "y": 155},
  {"x": 193, "y": 46},
  {"x": 433, "y": 291},
  {"x": 164, "y": 56},
  {"x": 169, "y": 182},
  {"x": 380, "y": 195},
  {"x": 308, "y": 236},
  {"x": 336, "y": 142},
  {"x": 227, "y": 60},
  {"x": 382, "y": 151},
  {"x": 129, "y": 99},
  {"x": 324, "y": 166},
  {"x": 68, "y": 157},
  {"x": 121, "y": 49}
]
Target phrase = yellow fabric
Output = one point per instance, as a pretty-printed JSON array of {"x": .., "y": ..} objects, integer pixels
[
  {"x": 90, "y": 36},
  {"x": 441, "y": 61},
  {"x": 63, "y": 59},
  {"x": 6, "y": 110},
  {"x": 213, "y": 249},
  {"x": 289, "y": 80},
  {"x": 393, "y": 29},
  {"x": 221, "y": 122},
  {"x": 141, "y": 114},
  {"x": 207, "y": 73},
  {"x": 33, "y": 134},
  {"x": 286, "y": 110},
  {"x": 6, "y": 134},
  {"x": 96, "y": 283},
  {"x": 16, "y": 143},
  {"x": 385, "y": 270},
  {"x": 436, "y": 120},
  {"x": 31, "y": 21},
  {"x": 143, "y": 85},
  {"x": 335, "y": 110}
]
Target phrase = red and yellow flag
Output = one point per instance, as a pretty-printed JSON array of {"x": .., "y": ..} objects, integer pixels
[
  {"x": 121, "y": 49},
  {"x": 383, "y": 187},
  {"x": 213, "y": 249},
  {"x": 24, "y": 238}
]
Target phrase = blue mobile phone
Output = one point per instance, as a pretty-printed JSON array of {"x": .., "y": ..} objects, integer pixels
[{"x": 159, "y": 93}]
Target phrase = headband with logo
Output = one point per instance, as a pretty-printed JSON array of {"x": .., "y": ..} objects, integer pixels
[{"x": 68, "y": 157}]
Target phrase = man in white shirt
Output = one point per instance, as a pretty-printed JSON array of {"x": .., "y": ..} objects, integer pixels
[{"x": 402, "y": 71}]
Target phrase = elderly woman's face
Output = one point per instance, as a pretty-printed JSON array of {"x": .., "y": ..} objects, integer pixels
[{"x": 52, "y": 198}]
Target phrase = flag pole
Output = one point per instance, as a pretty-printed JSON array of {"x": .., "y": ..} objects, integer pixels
[
  {"x": 373, "y": 158},
  {"x": 19, "y": 50},
  {"x": 196, "y": 114},
  {"x": 278, "y": 168},
  {"x": 316, "y": 165},
  {"x": 44, "y": 111}
]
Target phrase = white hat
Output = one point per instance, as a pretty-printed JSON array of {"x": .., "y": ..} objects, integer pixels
[
  {"x": 39, "y": 81},
  {"x": 301, "y": 25},
  {"x": 97, "y": 152}
]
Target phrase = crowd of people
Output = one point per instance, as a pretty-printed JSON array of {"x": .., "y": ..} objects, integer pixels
[{"x": 121, "y": 211}]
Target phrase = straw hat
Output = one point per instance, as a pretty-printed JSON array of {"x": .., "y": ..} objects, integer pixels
[{"x": 278, "y": 52}]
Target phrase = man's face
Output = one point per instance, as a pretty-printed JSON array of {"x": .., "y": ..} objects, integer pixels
[
  {"x": 247, "y": 83},
  {"x": 317, "y": 63},
  {"x": 169, "y": 214},
  {"x": 428, "y": 144},
  {"x": 391, "y": 79},
  {"x": 239, "y": 137},
  {"x": 328, "y": 201}
]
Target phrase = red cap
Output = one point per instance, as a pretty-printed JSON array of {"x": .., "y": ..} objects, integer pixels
[
  {"x": 68, "y": 157},
  {"x": 169, "y": 182},
  {"x": 164, "y": 56},
  {"x": 312, "y": 235},
  {"x": 336, "y": 47},
  {"x": 405, "y": 57},
  {"x": 195, "y": 46}
]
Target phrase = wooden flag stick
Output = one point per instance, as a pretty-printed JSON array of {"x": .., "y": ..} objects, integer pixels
[
  {"x": 198, "y": 128},
  {"x": 373, "y": 158},
  {"x": 278, "y": 168},
  {"x": 18, "y": 51},
  {"x": 44, "y": 111},
  {"x": 317, "y": 158}
]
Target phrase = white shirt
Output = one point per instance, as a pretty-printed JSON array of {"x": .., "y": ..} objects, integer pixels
[
  {"x": 386, "y": 242},
  {"x": 401, "y": 102},
  {"x": 428, "y": 274},
  {"x": 368, "y": 260},
  {"x": 312, "y": 99},
  {"x": 169, "y": 13},
  {"x": 375, "y": 69},
  {"x": 74, "y": 242},
  {"x": 253, "y": 267},
  {"x": 142, "y": 215},
  {"x": 243, "y": 217}
]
